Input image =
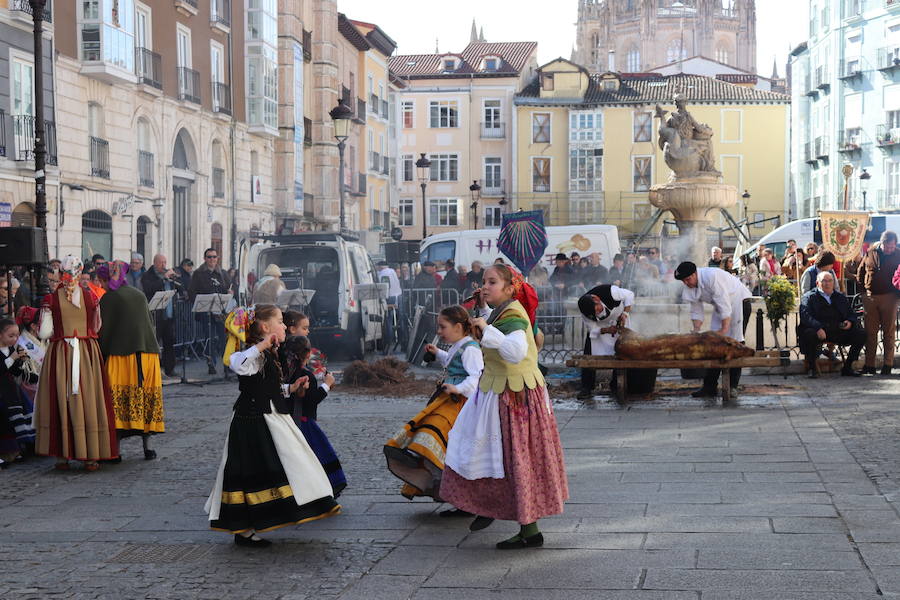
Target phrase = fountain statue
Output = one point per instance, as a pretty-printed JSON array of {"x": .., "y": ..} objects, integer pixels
[{"x": 695, "y": 188}]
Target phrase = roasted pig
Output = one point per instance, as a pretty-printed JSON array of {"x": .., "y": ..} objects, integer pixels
[{"x": 680, "y": 346}]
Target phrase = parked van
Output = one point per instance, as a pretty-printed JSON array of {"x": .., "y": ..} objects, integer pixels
[
  {"x": 349, "y": 306},
  {"x": 809, "y": 230},
  {"x": 467, "y": 246}
]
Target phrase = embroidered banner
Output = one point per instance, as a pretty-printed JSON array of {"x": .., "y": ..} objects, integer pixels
[
  {"x": 523, "y": 238},
  {"x": 843, "y": 232}
]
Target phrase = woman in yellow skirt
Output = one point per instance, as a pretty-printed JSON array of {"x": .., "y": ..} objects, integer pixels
[
  {"x": 416, "y": 453},
  {"x": 129, "y": 346}
]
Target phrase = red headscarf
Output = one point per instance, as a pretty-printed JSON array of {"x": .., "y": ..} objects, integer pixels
[
  {"x": 25, "y": 316},
  {"x": 522, "y": 291}
]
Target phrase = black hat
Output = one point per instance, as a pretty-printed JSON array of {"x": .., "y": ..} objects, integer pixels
[
  {"x": 427, "y": 263},
  {"x": 561, "y": 256},
  {"x": 382, "y": 263},
  {"x": 586, "y": 307},
  {"x": 685, "y": 270}
]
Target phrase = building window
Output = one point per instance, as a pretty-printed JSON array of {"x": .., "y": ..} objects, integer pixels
[
  {"x": 585, "y": 127},
  {"x": 444, "y": 167},
  {"x": 408, "y": 112},
  {"x": 643, "y": 126},
  {"x": 491, "y": 114},
  {"x": 642, "y": 170},
  {"x": 722, "y": 54},
  {"x": 449, "y": 64},
  {"x": 407, "y": 212},
  {"x": 493, "y": 176},
  {"x": 547, "y": 82},
  {"x": 262, "y": 63},
  {"x": 675, "y": 51},
  {"x": 491, "y": 64},
  {"x": 443, "y": 212},
  {"x": 409, "y": 167},
  {"x": 107, "y": 32},
  {"x": 586, "y": 211},
  {"x": 540, "y": 174},
  {"x": 892, "y": 184},
  {"x": 633, "y": 60},
  {"x": 443, "y": 113},
  {"x": 540, "y": 128},
  {"x": 585, "y": 170},
  {"x": 96, "y": 233},
  {"x": 493, "y": 216}
]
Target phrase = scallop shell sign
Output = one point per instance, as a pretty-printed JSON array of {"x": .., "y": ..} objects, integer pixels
[{"x": 843, "y": 232}]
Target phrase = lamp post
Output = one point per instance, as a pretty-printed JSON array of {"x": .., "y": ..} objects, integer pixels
[
  {"x": 424, "y": 168},
  {"x": 40, "y": 146},
  {"x": 746, "y": 198},
  {"x": 475, "y": 190},
  {"x": 341, "y": 115},
  {"x": 864, "y": 178}
]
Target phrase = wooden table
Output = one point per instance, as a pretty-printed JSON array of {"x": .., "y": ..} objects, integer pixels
[{"x": 763, "y": 358}]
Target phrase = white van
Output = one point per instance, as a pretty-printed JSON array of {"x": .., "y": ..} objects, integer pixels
[
  {"x": 467, "y": 246},
  {"x": 804, "y": 231}
]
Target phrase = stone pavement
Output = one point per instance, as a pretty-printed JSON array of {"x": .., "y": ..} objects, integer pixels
[{"x": 789, "y": 495}]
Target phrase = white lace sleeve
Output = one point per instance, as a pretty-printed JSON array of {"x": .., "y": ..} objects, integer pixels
[
  {"x": 512, "y": 347},
  {"x": 245, "y": 362}
]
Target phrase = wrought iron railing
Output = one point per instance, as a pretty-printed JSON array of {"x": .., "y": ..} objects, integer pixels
[
  {"x": 25, "y": 7},
  {"x": 147, "y": 67},
  {"x": 146, "y": 168},
  {"x": 221, "y": 95},
  {"x": 188, "y": 85},
  {"x": 99, "y": 157},
  {"x": 220, "y": 12}
]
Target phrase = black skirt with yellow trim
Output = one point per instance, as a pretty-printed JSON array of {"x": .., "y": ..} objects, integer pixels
[{"x": 256, "y": 494}]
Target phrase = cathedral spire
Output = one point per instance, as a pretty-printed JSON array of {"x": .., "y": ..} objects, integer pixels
[
  {"x": 473, "y": 36},
  {"x": 481, "y": 34},
  {"x": 775, "y": 67}
]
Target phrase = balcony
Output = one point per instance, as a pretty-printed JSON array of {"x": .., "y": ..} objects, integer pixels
[
  {"x": 188, "y": 85},
  {"x": 374, "y": 161},
  {"x": 541, "y": 186},
  {"x": 186, "y": 7},
  {"x": 888, "y": 59},
  {"x": 808, "y": 155},
  {"x": 146, "y": 168},
  {"x": 148, "y": 67},
  {"x": 887, "y": 136},
  {"x": 99, "y": 158},
  {"x": 373, "y": 104},
  {"x": 492, "y": 188},
  {"x": 822, "y": 81},
  {"x": 809, "y": 87},
  {"x": 307, "y": 45},
  {"x": 360, "y": 180},
  {"x": 23, "y": 139},
  {"x": 850, "y": 69},
  {"x": 384, "y": 110},
  {"x": 886, "y": 200},
  {"x": 385, "y": 165},
  {"x": 822, "y": 147},
  {"x": 850, "y": 141},
  {"x": 307, "y": 132},
  {"x": 360, "y": 116},
  {"x": 23, "y": 7},
  {"x": 221, "y": 97},
  {"x": 220, "y": 15},
  {"x": 493, "y": 131},
  {"x": 218, "y": 182}
]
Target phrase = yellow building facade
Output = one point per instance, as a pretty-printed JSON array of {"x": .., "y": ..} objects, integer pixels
[{"x": 586, "y": 147}]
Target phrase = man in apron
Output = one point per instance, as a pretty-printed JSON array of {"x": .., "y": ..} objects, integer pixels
[{"x": 605, "y": 310}]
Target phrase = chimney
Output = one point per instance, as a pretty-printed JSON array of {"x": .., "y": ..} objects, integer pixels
[{"x": 612, "y": 61}]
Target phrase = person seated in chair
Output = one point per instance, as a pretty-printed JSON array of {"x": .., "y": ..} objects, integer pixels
[{"x": 825, "y": 316}]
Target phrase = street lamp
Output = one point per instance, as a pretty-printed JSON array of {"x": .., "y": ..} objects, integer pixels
[
  {"x": 341, "y": 115},
  {"x": 746, "y": 198},
  {"x": 475, "y": 190},
  {"x": 864, "y": 178},
  {"x": 40, "y": 145},
  {"x": 424, "y": 167}
]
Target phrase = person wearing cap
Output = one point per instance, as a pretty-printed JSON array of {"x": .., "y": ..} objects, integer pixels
[
  {"x": 604, "y": 310},
  {"x": 135, "y": 270},
  {"x": 731, "y": 303},
  {"x": 562, "y": 276},
  {"x": 272, "y": 285}
]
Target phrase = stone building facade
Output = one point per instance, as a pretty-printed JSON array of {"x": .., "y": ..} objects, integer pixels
[{"x": 632, "y": 36}]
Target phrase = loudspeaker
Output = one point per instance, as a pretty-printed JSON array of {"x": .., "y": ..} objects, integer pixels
[
  {"x": 401, "y": 252},
  {"x": 20, "y": 246},
  {"x": 412, "y": 252}
]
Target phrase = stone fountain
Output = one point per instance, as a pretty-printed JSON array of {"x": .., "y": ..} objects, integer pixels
[{"x": 695, "y": 190}]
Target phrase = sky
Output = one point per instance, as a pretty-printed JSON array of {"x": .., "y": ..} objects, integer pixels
[{"x": 780, "y": 25}]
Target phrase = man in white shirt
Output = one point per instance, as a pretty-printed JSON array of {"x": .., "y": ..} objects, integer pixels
[
  {"x": 387, "y": 275},
  {"x": 731, "y": 301}
]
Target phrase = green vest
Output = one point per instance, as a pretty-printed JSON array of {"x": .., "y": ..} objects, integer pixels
[{"x": 498, "y": 374}]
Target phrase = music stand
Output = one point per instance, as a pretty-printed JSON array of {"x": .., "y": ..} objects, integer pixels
[
  {"x": 160, "y": 300},
  {"x": 299, "y": 297},
  {"x": 209, "y": 304}
]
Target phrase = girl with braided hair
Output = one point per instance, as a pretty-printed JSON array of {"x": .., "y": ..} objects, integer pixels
[
  {"x": 504, "y": 458},
  {"x": 269, "y": 477}
]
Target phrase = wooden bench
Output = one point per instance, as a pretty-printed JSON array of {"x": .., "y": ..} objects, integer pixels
[{"x": 763, "y": 358}]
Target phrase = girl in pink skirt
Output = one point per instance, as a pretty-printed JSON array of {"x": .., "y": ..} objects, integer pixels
[{"x": 504, "y": 459}]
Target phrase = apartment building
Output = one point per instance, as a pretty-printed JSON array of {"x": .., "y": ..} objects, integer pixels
[
  {"x": 168, "y": 113},
  {"x": 17, "y": 111},
  {"x": 846, "y": 107},
  {"x": 456, "y": 109},
  {"x": 587, "y": 152}
]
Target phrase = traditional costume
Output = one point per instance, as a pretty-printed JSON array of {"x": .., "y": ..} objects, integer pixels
[
  {"x": 269, "y": 477},
  {"x": 504, "y": 458},
  {"x": 416, "y": 454},
  {"x": 305, "y": 413},
  {"x": 16, "y": 408},
  {"x": 73, "y": 414},
  {"x": 128, "y": 343},
  {"x": 34, "y": 346}
]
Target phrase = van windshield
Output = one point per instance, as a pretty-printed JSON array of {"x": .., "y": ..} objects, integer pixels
[
  {"x": 306, "y": 264},
  {"x": 439, "y": 253}
]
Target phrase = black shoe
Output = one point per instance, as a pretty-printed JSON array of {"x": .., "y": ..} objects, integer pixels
[
  {"x": 211, "y": 370},
  {"x": 849, "y": 372},
  {"x": 885, "y": 370},
  {"x": 403, "y": 456},
  {"x": 869, "y": 371},
  {"x": 480, "y": 523},
  {"x": 454, "y": 513},
  {"x": 149, "y": 454},
  {"x": 112, "y": 461},
  {"x": 703, "y": 393},
  {"x": 812, "y": 374},
  {"x": 533, "y": 541},
  {"x": 249, "y": 542}
]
